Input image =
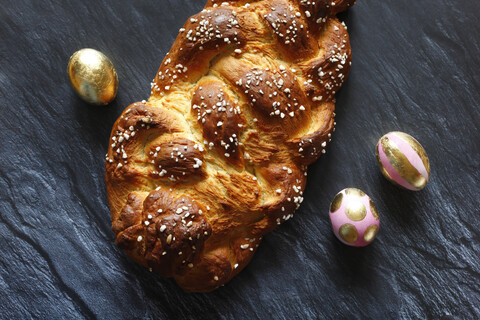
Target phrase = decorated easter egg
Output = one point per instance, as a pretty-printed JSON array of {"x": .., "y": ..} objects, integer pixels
[
  {"x": 93, "y": 76},
  {"x": 354, "y": 217},
  {"x": 403, "y": 161}
]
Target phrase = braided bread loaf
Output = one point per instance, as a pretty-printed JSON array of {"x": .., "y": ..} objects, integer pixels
[{"x": 218, "y": 156}]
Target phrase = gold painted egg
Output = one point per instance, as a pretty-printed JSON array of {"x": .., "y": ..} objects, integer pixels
[
  {"x": 354, "y": 217},
  {"x": 403, "y": 161},
  {"x": 93, "y": 76}
]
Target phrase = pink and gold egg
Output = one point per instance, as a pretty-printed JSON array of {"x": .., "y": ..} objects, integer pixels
[
  {"x": 354, "y": 217},
  {"x": 403, "y": 161}
]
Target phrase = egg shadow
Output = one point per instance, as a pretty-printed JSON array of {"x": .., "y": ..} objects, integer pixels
[
  {"x": 353, "y": 265},
  {"x": 399, "y": 204},
  {"x": 96, "y": 121}
]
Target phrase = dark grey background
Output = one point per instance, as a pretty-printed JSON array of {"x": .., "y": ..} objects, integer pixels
[{"x": 415, "y": 69}]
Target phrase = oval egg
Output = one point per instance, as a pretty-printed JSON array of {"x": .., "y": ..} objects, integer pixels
[
  {"x": 403, "y": 161},
  {"x": 354, "y": 218},
  {"x": 93, "y": 76}
]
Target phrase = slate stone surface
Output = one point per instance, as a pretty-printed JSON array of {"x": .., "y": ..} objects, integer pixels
[{"x": 415, "y": 69}]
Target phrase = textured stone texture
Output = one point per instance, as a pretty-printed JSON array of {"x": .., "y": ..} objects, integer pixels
[{"x": 415, "y": 69}]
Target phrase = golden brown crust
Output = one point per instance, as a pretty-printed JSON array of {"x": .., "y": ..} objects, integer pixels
[
  {"x": 217, "y": 157},
  {"x": 219, "y": 118}
]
